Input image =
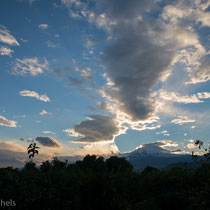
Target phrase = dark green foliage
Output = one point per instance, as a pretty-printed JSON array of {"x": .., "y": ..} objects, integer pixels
[{"x": 95, "y": 183}]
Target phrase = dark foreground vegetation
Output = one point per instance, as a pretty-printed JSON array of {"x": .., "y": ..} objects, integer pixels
[{"x": 98, "y": 184}]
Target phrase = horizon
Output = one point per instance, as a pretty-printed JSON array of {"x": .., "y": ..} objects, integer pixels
[{"x": 101, "y": 77}]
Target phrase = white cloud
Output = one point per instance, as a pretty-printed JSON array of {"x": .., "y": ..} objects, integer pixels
[
  {"x": 34, "y": 94},
  {"x": 6, "y": 37},
  {"x": 86, "y": 73},
  {"x": 200, "y": 74},
  {"x": 204, "y": 95},
  {"x": 71, "y": 132},
  {"x": 51, "y": 44},
  {"x": 48, "y": 132},
  {"x": 165, "y": 133},
  {"x": 5, "y": 51},
  {"x": 182, "y": 120},
  {"x": 176, "y": 97},
  {"x": 203, "y": 18},
  {"x": 44, "y": 112},
  {"x": 98, "y": 148},
  {"x": 191, "y": 145},
  {"x": 19, "y": 116},
  {"x": 43, "y": 26},
  {"x": 29, "y": 66},
  {"x": 167, "y": 143},
  {"x": 6, "y": 122}
]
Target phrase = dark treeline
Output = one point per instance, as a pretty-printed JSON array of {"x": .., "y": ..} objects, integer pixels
[{"x": 98, "y": 184}]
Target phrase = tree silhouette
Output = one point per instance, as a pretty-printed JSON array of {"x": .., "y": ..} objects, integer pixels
[
  {"x": 32, "y": 150},
  {"x": 206, "y": 151}
]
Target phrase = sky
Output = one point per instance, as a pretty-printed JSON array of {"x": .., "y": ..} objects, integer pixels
[{"x": 103, "y": 77}]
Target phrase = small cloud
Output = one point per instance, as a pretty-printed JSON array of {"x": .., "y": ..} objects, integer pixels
[
  {"x": 31, "y": 1},
  {"x": 19, "y": 116},
  {"x": 6, "y": 122},
  {"x": 193, "y": 126},
  {"x": 71, "y": 132},
  {"x": 191, "y": 145},
  {"x": 29, "y": 66},
  {"x": 185, "y": 134},
  {"x": 51, "y": 44},
  {"x": 165, "y": 133},
  {"x": 75, "y": 82},
  {"x": 182, "y": 120},
  {"x": 86, "y": 73},
  {"x": 6, "y": 37},
  {"x": 57, "y": 35},
  {"x": 5, "y": 51},
  {"x": 48, "y": 132},
  {"x": 34, "y": 94},
  {"x": 43, "y": 26},
  {"x": 48, "y": 142},
  {"x": 203, "y": 95},
  {"x": 44, "y": 112},
  {"x": 166, "y": 143}
]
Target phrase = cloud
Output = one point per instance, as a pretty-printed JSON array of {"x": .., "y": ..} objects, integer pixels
[
  {"x": 6, "y": 37},
  {"x": 43, "y": 26},
  {"x": 14, "y": 155},
  {"x": 204, "y": 95},
  {"x": 19, "y": 116},
  {"x": 51, "y": 44},
  {"x": 141, "y": 53},
  {"x": 48, "y": 132},
  {"x": 48, "y": 142},
  {"x": 165, "y": 133},
  {"x": 5, "y": 51},
  {"x": 74, "y": 82},
  {"x": 191, "y": 145},
  {"x": 97, "y": 128},
  {"x": 44, "y": 112},
  {"x": 166, "y": 143},
  {"x": 8, "y": 123},
  {"x": 98, "y": 148},
  {"x": 176, "y": 97},
  {"x": 182, "y": 120},
  {"x": 86, "y": 73},
  {"x": 34, "y": 94},
  {"x": 200, "y": 74},
  {"x": 29, "y": 66},
  {"x": 159, "y": 146},
  {"x": 8, "y": 145}
]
